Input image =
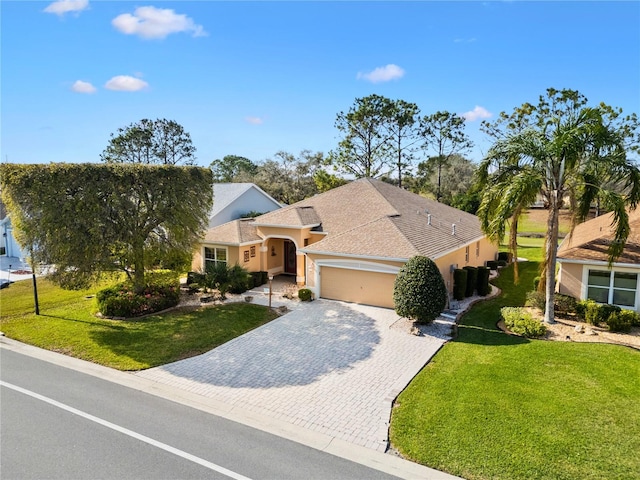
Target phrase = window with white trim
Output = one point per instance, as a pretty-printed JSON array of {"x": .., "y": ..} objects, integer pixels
[
  {"x": 615, "y": 288},
  {"x": 214, "y": 256}
]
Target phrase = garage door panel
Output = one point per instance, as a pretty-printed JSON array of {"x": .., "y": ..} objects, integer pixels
[{"x": 357, "y": 286}]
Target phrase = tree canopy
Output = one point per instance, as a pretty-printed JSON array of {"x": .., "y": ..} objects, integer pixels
[
  {"x": 365, "y": 148},
  {"x": 443, "y": 133},
  {"x": 87, "y": 219},
  {"x": 569, "y": 152},
  {"x": 160, "y": 142}
]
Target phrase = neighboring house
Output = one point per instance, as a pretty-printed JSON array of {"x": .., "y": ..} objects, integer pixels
[
  {"x": 233, "y": 200},
  {"x": 8, "y": 245},
  {"x": 350, "y": 242},
  {"x": 584, "y": 268}
]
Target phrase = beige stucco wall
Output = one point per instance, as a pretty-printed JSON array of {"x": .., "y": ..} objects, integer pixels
[
  {"x": 276, "y": 245},
  {"x": 296, "y": 235},
  {"x": 253, "y": 265},
  {"x": 487, "y": 251},
  {"x": 570, "y": 279}
]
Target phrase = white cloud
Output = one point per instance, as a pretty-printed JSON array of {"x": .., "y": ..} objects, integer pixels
[
  {"x": 125, "y": 83},
  {"x": 83, "y": 87},
  {"x": 61, "y": 7},
  {"x": 154, "y": 23},
  {"x": 254, "y": 120},
  {"x": 382, "y": 74},
  {"x": 476, "y": 113}
]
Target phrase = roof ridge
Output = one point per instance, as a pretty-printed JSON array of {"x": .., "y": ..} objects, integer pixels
[{"x": 369, "y": 182}]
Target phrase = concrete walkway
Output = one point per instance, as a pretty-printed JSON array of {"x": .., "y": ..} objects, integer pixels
[{"x": 330, "y": 367}]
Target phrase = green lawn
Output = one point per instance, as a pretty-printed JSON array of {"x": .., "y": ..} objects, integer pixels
[
  {"x": 494, "y": 406},
  {"x": 67, "y": 324}
]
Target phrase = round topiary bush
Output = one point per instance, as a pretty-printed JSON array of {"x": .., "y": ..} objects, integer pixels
[{"x": 419, "y": 292}]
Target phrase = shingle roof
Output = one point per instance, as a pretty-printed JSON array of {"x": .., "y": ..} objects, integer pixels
[
  {"x": 371, "y": 218},
  {"x": 234, "y": 232},
  {"x": 591, "y": 240}
]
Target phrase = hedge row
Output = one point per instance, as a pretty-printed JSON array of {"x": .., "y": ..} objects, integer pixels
[{"x": 468, "y": 280}]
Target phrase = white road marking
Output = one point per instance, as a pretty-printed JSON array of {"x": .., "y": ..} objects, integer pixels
[{"x": 137, "y": 436}]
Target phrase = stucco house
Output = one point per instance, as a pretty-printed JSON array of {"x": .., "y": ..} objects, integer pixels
[
  {"x": 9, "y": 247},
  {"x": 350, "y": 242},
  {"x": 584, "y": 269},
  {"x": 233, "y": 200}
]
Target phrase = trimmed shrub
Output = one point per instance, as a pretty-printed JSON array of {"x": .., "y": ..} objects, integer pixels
[
  {"x": 492, "y": 264},
  {"x": 522, "y": 322},
  {"x": 257, "y": 279},
  {"x": 564, "y": 304},
  {"x": 122, "y": 300},
  {"x": 482, "y": 284},
  {"x": 250, "y": 284},
  {"x": 472, "y": 280},
  {"x": 536, "y": 299},
  {"x": 596, "y": 313},
  {"x": 459, "y": 283},
  {"x": 264, "y": 277},
  {"x": 505, "y": 256},
  {"x": 305, "y": 294},
  {"x": 621, "y": 321},
  {"x": 419, "y": 292}
]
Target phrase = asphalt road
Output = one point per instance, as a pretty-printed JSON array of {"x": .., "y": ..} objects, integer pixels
[{"x": 60, "y": 423}]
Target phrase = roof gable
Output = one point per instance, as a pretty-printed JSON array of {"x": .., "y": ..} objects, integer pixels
[{"x": 591, "y": 240}]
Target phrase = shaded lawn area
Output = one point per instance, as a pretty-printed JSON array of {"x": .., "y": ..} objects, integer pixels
[
  {"x": 68, "y": 325},
  {"x": 494, "y": 406}
]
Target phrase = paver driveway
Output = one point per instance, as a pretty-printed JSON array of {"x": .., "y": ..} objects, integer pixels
[{"x": 331, "y": 367}]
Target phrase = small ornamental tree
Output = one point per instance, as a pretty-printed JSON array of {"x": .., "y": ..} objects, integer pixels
[{"x": 419, "y": 292}]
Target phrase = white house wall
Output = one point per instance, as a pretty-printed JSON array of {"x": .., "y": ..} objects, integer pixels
[{"x": 251, "y": 200}]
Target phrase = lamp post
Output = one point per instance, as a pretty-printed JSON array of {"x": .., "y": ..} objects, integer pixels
[{"x": 270, "y": 289}]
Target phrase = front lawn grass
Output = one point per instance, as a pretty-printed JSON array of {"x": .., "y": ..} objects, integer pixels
[
  {"x": 495, "y": 406},
  {"x": 67, "y": 324}
]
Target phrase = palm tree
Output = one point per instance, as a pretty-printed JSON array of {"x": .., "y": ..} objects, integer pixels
[{"x": 562, "y": 148}]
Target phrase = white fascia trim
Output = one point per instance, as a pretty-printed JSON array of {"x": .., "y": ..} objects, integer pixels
[
  {"x": 599, "y": 263},
  {"x": 231, "y": 244},
  {"x": 455, "y": 249},
  {"x": 358, "y": 265},
  {"x": 291, "y": 227},
  {"x": 348, "y": 255}
]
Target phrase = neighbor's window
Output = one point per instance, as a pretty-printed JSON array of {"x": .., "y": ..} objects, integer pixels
[
  {"x": 477, "y": 249},
  {"x": 215, "y": 255},
  {"x": 615, "y": 288},
  {"x": 466, "y": 254}
]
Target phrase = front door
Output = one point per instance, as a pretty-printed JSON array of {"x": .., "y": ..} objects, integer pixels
[{"x": 290, "y": 257}]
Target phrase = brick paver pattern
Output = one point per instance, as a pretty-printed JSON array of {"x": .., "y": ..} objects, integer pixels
[{"x": 331, "y": 367}]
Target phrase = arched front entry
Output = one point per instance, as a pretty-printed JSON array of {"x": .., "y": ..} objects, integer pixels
[{"x": 282, "y": 256}]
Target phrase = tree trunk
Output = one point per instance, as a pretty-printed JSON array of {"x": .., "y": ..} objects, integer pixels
[
  {"x": 550, "y": 257},
  {"x": 138, "y": 265},
  {"x": 513, "y": 245}
]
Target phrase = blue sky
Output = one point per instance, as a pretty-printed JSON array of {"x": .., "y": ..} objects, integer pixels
[{"x": 254, "y": 78}]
